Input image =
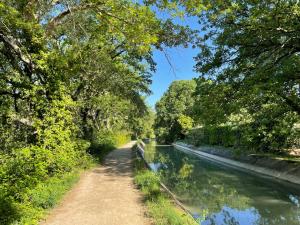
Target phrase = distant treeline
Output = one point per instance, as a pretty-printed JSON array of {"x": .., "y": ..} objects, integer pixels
[{"x": 248, "y": 89}]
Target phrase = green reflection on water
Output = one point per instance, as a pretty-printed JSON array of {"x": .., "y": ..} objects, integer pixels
[{"x": 227, "y": 195}]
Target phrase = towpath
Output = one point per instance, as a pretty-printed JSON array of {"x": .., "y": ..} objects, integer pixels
[{"x": 104, "y": 196}]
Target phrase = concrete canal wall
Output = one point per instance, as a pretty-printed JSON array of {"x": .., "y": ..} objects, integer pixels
[{"x": 286, "y": 173}]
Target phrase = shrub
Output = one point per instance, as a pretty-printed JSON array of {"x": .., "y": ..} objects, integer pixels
[
  {"x": 23, "y": 169},
  {"x": 8, "y": 210},
  {"x": 39, "y": 165},
  {"x": 105, "y": 141},
  {"x": 248, "y": 137},
  {"x": 43, "y": 196}
]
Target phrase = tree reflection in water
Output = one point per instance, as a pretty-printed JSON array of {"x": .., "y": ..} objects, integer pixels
[{"x": 226, "y": 195}]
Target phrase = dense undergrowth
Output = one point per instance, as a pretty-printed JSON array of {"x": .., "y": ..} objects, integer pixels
[
  {"x": 44, "y": 196},
  {"x": 244, "y": 139},
  {"x": 29, "y": 196},
  {"x": 160, "y": 207}
]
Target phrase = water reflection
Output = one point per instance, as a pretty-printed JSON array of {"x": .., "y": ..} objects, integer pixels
[{"x": 224, "y": 195}]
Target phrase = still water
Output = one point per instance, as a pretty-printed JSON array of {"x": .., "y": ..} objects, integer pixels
[{"x": 220, "y": 195}]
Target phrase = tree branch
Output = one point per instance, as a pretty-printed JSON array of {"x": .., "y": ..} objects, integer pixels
[
  {"x": 56, "y": 20},
  {"x": 294, "y": 105},
  {"x": 10, "y": 43}
]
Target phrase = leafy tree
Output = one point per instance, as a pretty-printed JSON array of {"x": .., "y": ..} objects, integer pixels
[
  {"x": 250, "y": 55},
  {"x": 174, "y": 106},
  {"x": 143, "y": 126},
  {"x": 186, "y": 123},
  {"x": 254, "y": 45},
  {"x": 71, "y": 72}
]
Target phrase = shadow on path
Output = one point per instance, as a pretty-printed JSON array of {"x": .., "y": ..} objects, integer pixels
[{"x": 104, "y": 196}]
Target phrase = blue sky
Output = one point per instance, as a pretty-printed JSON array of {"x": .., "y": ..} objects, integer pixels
[{"x": 182, "y": 61}]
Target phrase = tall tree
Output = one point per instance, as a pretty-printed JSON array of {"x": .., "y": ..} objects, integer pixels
[
  {"x": 176, "y": 102},
  {"x": 70, "y": 69},
  {"x": 250, "y": 52}
]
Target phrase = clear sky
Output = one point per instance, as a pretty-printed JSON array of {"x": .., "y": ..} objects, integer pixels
[{"x": 182, "y": 62}]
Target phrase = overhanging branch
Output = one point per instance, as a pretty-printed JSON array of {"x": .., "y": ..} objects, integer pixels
[
  {"x": 56, "y": 20},
  {"x": 11, "y": 44}
]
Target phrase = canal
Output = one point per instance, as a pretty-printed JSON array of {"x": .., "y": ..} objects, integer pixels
[{"x": 220, "y": 195}]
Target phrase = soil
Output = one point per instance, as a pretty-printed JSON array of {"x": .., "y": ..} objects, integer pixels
[{"x": 105, "y": 195}]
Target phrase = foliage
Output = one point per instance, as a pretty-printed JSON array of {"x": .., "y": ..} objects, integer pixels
[
  {"x": 46, "y": 195},
  {"x": 185, "y": 123},
  {"x": 248, "y": 88},
  {"x": 164, "y": 213},
  {"x": 160, "y": 207},
  {"x": 248, "y": 65},
  {"x": 173, "y": 109},
  {"x": 73, "y": 76},
  {"x": 105, "y": 141},
  {"x": 143, "y": 126},
  {"x": 43, "y": 196},
  {"x": 262, "y": 124},
  {"x": 224, "y": 136},
  {"x": 248, "y": 137}
]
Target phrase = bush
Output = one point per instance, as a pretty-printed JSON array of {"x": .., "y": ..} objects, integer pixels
[
  {"x": 55, "y": 153},
  {"x": 121, "y": 138},
  {"x": 22, "y": 170},
  {"x": 8, "y": 210},
  {"x": 250, "y": 137},
  {"x": 224, "y": 135},
  {"x": 43, "y": 196},
  {"x": 105, "y": 141}
]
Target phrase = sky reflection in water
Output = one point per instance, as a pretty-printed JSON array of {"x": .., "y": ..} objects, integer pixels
[{"x": 224, "y": 195}]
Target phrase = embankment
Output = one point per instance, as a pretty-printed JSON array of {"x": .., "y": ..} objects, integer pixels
[{"x": 281, "y": 169}]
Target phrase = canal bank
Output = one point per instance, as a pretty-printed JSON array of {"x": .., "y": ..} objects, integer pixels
[
  {"x": 223, "y": 193},
  {"x": 141, "y": 150},
  {"x": 279, "y": 169},
  {"x": 163, "y": 206}
]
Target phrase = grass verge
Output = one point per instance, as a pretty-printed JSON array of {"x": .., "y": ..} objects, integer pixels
[
  {"x": 45, "y": 195},
  {"x": 161, "y": 209},
  {"x": 39, "y": 200}
]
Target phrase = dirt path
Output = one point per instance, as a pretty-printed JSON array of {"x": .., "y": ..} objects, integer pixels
[{"x": 104, "y": 196}]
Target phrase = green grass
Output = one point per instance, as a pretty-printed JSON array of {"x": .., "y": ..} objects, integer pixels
[
  {"x": 39, "y": 200},
  {"x": 160, "y": 207},
  {"x": 165, "y": 213},
  {"x": 46, "y": 194}
]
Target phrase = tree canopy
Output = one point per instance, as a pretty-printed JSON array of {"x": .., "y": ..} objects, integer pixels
[
  {"x": 72, "y": 74},
  {"x": 249, "y": 65},
  {"x": 248, "y": 68},
  {"x": 173, "y": 111}
]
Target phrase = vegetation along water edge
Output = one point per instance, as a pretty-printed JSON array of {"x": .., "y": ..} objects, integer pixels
[{"x": 161, "y": 207}]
